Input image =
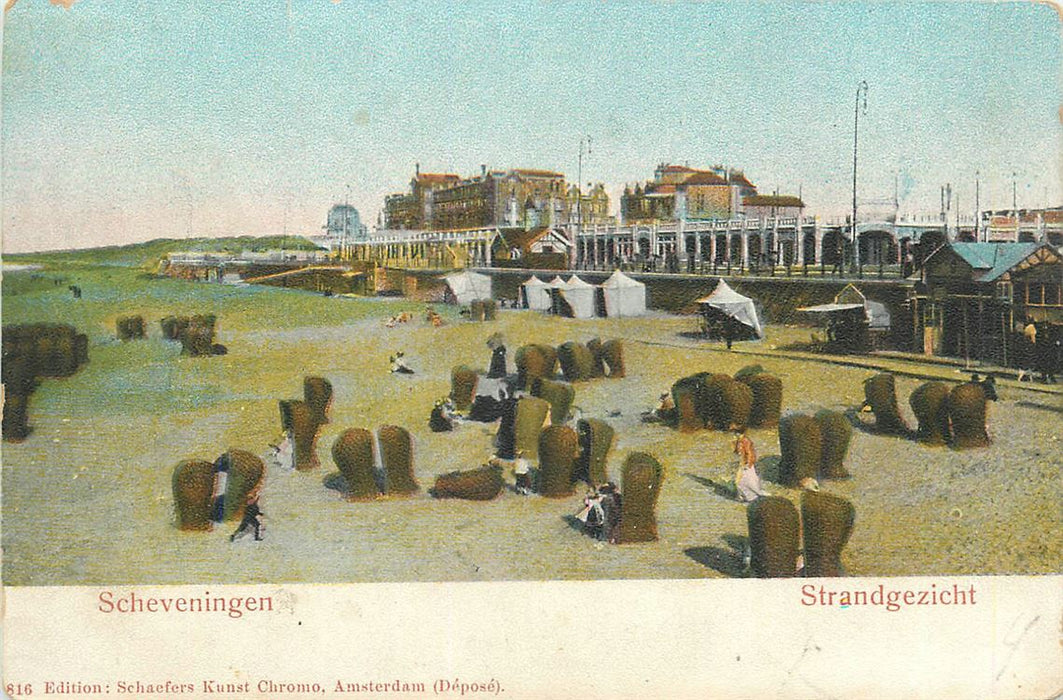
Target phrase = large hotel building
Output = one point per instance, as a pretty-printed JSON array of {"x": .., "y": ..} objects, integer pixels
[{"x": 519, "y": 198}]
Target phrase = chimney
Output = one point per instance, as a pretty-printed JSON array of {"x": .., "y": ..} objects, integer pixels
[
  {"x": 417, "y": 169},
  {"x": 483, "y": 170}
]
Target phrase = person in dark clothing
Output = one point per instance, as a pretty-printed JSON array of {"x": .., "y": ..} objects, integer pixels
[
  {"x": 729, "y": 331},
  {"x": 439, "y": 421},
  {"x": 611, "y": 503},
  {"x": 582, "y": 471},
  {"x": 221, "y": 478},
  {"x": 506, "y": 438},
  {"x": 522, "y": 474},
  {"x": 593, "y": 514},
  {"x": 486, "y": 409},
  {"x": 989, "y": 386},
  {"x": 251, "y": 515},
  {"x": 497, "y": 369}
]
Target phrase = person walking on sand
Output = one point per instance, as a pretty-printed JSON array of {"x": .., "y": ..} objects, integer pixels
[
  {"x": 612, "y": 503},
  {"x": 250, "y": 520},
  {"x": 283, "y": 453},
  {"x": 743, "y": 447},
  {"x": 593, "y": 514},
  {"x": 497, "y": 369},
  {"x": 522, "y": 474},
  {"x": 747, "y": 481},
  {"x": 747, "y": 484}
]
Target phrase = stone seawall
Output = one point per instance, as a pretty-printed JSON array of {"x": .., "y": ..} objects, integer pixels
[{"x": 778, "y": 297}]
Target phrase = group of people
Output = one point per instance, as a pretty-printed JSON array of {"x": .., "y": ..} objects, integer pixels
[
  {"x": 600, "y": 514},
  {"x": 404, "y": 317}
]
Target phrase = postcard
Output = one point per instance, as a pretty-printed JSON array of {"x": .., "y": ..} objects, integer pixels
[{"x": 531, "y": 349}]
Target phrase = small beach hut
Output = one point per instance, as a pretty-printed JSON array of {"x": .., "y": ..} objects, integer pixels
[
  {"x": 535, "y": 294},
  {"x": 623, "y": 296},
  {"x": 558, "y": 304},
  {"x": 853, "y": 321},
  {"x": 580, "y": 297},
  {"x": 466, "y": 287}
]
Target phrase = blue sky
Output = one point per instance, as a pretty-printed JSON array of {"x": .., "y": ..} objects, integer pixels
[{"x": 123, "y": 122}]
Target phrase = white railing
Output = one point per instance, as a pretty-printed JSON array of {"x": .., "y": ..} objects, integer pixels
[
  {"x": 671, "y": 228},
  {"x": 399, "y": 237}
]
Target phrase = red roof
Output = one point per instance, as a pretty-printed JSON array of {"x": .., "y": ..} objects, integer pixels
[
  {"x": 772, "y": 200},
  {"x": 704, "y": 177},
  {"x": 739, "y": 178},
  {"x": 678, "y": 169},
  {"x": 437, "y": 177}
]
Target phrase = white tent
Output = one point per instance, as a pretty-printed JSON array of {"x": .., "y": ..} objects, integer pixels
[
  {"x": 623, "y": 295},
  {"x": 536, "y": 294},
  {"x": 466, "y": 286},
  {"x": 876, "y": 313},
  {"x": 851, "y": 298},
  {"x": 580, "y": 297},
  {"x": 738, "y": 307},
  {"x": 878, "y": 316}
]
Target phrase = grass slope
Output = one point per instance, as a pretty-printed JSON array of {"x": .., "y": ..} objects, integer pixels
[{"x": 148, "y": 253}]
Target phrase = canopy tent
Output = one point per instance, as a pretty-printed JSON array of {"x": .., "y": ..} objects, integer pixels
[
  {"x": 623, "y": 295},
  {"x": 466, "y": 287},
  {"x": 830, "y": 308},
  {"x": 580, "y": 297},
  {"x": 850, "y": 318},
  {"x": 850, "y": 300},
  {"x": 733, "y": 305},
  {"x": 535, "y": 294}
]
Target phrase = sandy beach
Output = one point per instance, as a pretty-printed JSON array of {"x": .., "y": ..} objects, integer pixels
[{"x": 87, "y": 498}]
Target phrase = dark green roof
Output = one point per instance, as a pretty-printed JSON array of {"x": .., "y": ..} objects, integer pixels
[{"x": 991, "y": 260}]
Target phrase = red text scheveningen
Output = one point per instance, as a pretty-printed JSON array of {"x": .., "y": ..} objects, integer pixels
[{"x": 131, "y": 602}]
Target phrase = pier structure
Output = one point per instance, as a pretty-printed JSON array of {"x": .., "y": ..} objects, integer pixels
[
  {"x": 441, "y": 250},
  {"x": 749, "y": 245},
  {"x": 737, "y": 246}
]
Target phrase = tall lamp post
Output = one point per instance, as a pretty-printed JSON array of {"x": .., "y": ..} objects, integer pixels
[
  {"x": 346, "y": 222},
  {"x": 977, "y": 213},
  {"x": 861, "y": 91},
  {"x": 1015, "y": 205}
]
